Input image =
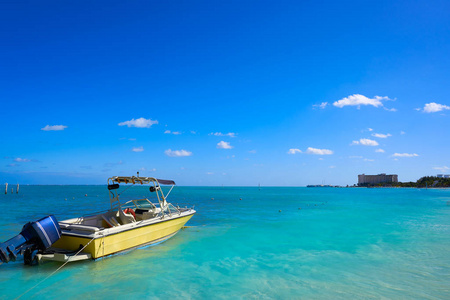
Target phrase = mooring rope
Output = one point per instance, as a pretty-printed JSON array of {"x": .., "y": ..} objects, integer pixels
[{"x": 55, "y": 270}]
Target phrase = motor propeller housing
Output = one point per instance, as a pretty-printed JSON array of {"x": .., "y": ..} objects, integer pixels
[{"x": 38, "y": 235}]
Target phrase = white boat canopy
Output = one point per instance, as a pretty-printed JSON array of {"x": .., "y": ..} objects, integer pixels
[
  {"x": 113, "y": 185},
  {"x": 139, "y": 180}
]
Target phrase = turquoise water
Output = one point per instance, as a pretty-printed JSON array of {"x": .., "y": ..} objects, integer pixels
[{"x": 282, "y": 243}]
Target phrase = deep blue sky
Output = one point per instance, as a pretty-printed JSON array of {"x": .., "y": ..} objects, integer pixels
[{"x": 258, "y": 70}]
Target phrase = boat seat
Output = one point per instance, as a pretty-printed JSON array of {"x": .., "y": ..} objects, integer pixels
[
  {"x": 111, "y": 221},
  {"x": 126, "y": 218}
]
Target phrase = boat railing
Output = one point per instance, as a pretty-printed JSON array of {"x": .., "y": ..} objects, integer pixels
[{"x": 184, "y": 206}]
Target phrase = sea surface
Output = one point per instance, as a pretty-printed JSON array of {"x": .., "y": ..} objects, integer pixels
[{"x": 252, "y": 243}]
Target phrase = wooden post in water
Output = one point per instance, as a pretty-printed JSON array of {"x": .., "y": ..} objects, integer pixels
[
  {"x": 6, "y": 188},
  {"x": 17, "y": 189}
]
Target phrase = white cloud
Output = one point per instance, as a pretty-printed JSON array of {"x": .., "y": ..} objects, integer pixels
[
  {"x": 294, "y": 151},
  {"x": 18, "y": 159},
  {"x": 145, "y": 169},
  {"x": 332, "y": 167},
  {"x": 379, "y": 150},
  {"x": 402, "y": 132},
  {"x": 177, "y": 153},
  {"x": 434, "y": 107},
  {"x": 252, "y": 151},
  {"x": 230, "y": 134},
  {"x": 138, "y": 149},
  {"x": 443, "y": 169},
  {"x": 358, "y": 100},
  {"x": 139, "y": 123},
  {"x": 311, "y": 150},
  {"x": 354, "y": 156},
  {"x": 370, "y": 129},
  {"x": 172, "y": 132},
  {"x": 209, "y": 173},
  {"x": 321, "y": 105},
  {"x": 224, "y": 145},
  {"x": 316, "y": 151},
  {"x": 54, "y": 127},
  {"x": 365, "y": 142},
  {"x": 368, "y": 159},
  {"x": 381, "y": 136},
  {"x": 405, "y": 155}
]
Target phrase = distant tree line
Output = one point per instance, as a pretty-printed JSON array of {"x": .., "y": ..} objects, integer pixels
[{"x": 427, "y": 181}]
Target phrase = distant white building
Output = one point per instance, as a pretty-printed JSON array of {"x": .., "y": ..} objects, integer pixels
[{"x": 375, "y": 179}]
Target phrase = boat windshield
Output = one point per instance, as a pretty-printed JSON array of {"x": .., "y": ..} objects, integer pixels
[{"x": 143, "y": 203}]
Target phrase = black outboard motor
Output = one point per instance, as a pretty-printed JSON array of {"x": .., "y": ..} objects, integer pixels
[{"x": 35, "y": 236}]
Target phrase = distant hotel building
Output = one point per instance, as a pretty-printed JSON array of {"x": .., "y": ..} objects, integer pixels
[
  {"x": 443, "y": 175},
  {"x": 376, "y": 179}
]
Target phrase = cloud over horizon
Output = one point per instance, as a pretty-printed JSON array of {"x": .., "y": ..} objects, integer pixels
[
  {"x": 321, "y": 105},
  {"x": 358, "y": 100},
  {"x": 139, "y": 123},
  {"x": 294, "y": 151},
  {"x": 172, "y": 132},
  {"x": 54, "y": 127},
  {"x": 365, "y": 142},
  {"x": 230, "y": 134},
  {"x": 443, "y": 169},
  {"x": 138, "y": 149},
  {"x": 316, "y": 151},
  {"x": 18, "y": 159},
  {"x": 433, "y": 107},
  {"x": 405, "y": 155},
  {"x": 381, "y": 135},
  {"x": 224, "y": 145},
  {"x": 177, "y": 153}
]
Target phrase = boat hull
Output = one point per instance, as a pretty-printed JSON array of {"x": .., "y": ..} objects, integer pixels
[{"x": 105, "y": 243}]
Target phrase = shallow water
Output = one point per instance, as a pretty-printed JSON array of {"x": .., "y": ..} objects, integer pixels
[{"x": 284, "y": 243}]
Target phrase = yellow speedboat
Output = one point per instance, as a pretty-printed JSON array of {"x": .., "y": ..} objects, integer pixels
[{"x": 124, "y": 226}]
